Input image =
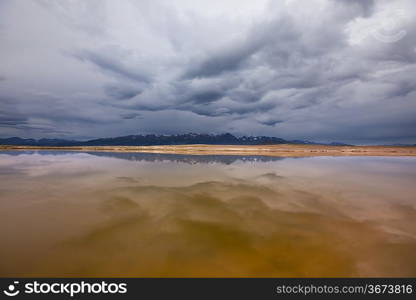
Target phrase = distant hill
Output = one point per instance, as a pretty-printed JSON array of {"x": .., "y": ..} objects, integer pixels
[{"x": 152, "y": 140}]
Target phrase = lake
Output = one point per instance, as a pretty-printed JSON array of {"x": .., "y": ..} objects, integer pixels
[{"x": 74, "y": 214}]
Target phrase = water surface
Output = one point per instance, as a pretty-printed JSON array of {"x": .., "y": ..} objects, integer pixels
[{"x": 126, "y": 214}]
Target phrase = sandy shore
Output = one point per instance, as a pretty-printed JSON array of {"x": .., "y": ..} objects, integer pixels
[{"x": 269, "y": 150}]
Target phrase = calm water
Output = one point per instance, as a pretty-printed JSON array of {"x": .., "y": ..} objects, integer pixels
[{"x": 115, "y": 214}]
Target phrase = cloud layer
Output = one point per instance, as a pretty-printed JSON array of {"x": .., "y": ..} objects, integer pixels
[{"x": 321, "y": 70}]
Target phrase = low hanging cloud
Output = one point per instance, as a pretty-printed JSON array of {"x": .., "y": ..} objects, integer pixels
[{"x": 324, "y": 70}]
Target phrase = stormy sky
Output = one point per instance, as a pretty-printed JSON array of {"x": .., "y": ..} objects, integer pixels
[{"x": 322, "y": 70}]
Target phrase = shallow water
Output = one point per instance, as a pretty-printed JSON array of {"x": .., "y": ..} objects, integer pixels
[{"x": 125, "y": 214}]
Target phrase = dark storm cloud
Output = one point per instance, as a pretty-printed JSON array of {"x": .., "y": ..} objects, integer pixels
[
  {"x": 111, "y": 63},
  {"x": 121, "y": 93},
  {"x": 129, "y": 116},
  {"x": 7, "y": 120},
  {"x": 205, "y": 97},
  {"x": 264, "y": 36},
  {"x": 319, "y": 70},
  {"x": 219, "y": 63},
  {"x": 9, "y": 115},
  {"x": 271, "y": 122}
]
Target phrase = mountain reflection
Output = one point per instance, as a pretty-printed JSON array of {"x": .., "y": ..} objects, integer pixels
[
  {"x": 159, "y": 157},
  {"x": 185, "y": 158}
]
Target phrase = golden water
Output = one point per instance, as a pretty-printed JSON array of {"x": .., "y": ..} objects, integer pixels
[{"x": 113, "y": 214}]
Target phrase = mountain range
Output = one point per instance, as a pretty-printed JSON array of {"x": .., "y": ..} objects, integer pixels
[{"x": 152, "y": 139}]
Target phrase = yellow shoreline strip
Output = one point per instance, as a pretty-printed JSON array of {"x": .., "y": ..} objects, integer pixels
[{"x": 265, "y": 150}]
